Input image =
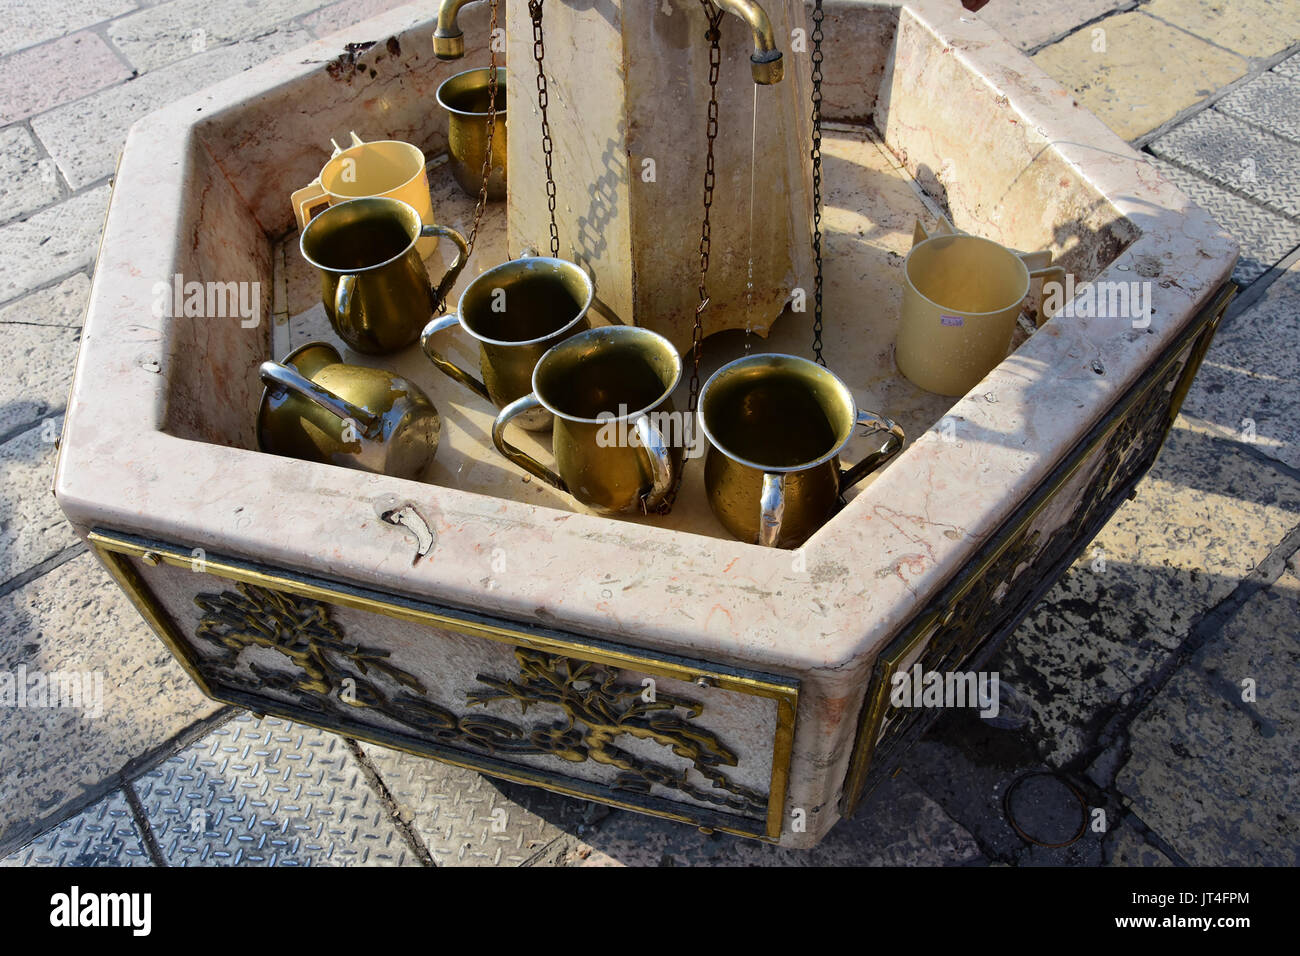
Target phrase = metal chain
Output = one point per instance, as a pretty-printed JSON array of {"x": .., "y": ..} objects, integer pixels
[
  {"x": 539, "y": 54},
  {"x": 492, "y": 125},
  {"x": 714, "y": 36},
  {"x": 817, "y": 17}
]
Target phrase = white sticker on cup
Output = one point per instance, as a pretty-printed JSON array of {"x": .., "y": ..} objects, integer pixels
[{"x": 953, "y": 320}]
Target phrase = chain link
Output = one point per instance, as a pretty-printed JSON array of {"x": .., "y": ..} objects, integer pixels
[
  {"x": 817, "y": 17},
  {"x": 714, "y": 36},
  {"x": 539, "y": 54},
  {"x": 491, "y": 129}
]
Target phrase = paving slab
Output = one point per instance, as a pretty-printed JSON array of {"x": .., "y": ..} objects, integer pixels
[
  {"x": 1031, "y": 23},
  {"x": 1289, "y": 67},
  {"x": 1238, "y": 155},
  {"x": 268, "y": 792},
  {"x": 337, "y": 16},
  {"x": 1253, "y": 28},
  {"x": 1266, "y": 237},
  {"x": 175, "y": 31},
  {"x": 1248, "y": 390},
  {"x": 1204, "y": 517},
  {"x": 52, "y": 243},
  {"x": 32, "y": 528},
  {"x": 38, "y": 360},
  {"x": 62, "y": 305},
  {"x": 1270, "y": 101},
  {"x": 1211, "y": 773},
  {"x": 42, "y": 77},
  {"x": 86, "y": 137},
  {"x": 467, "y": 819},
  {"x": 24, "y": 23},
  {"x": 104, "y": 834},
  {"x": 1126, "y": 846},
  {"x": 1135, "y": 72},
  {"x": 900, "y": 826},
  {"x": 74, "y": 621},
  {"x": 29, "y": 179}
]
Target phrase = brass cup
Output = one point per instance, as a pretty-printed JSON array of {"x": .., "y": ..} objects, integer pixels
[
  {"x": 607, "y": 387},
  {"x": 374, "y": 284},
  {"x": 776, "y": 425},
  {"x": 516, "y": 311},
  {"x": 318, "y": 408},
  {"x": 465, "y": 98}
]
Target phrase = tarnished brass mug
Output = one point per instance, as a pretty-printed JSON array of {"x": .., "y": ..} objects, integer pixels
[
  {"x": 516, "y": 311},
  {"x": 465, "y": 98},
  {"x": 776, "y": 425},
  {"x": 318, "y": 408},
  {"x": 605, "y": 387},
  {"x": 374, "y": 284}
]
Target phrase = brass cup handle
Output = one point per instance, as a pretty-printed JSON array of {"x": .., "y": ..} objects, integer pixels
[
  {"x": 285, "y": 379},
  {"x": 451, "y": 369},
  {"x": 524, "y": 460},
  {"x": 661, "y": 463},
  {"x": 771, "y": 508},
  {"x": 892, "y": 446},
  {"x": 453, "y": 272},
  {"x": 344, "y": 297}
]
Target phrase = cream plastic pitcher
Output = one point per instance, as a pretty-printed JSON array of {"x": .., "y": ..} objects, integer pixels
[
  {"x": 389, "y": 168},
  {"x": 961, "y": 297}
]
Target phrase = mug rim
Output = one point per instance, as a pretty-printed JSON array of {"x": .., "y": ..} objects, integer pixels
[
  {"x": 616, "y": 331},
  {"x": 302, "y": 238},
  {"x": 582, "y": 313},
  {"x": 423, "y": 169},
  {"x": 797, "y": 359},
  {"x": 907, "y": 261},
  {"x": 437, "y": 95}
]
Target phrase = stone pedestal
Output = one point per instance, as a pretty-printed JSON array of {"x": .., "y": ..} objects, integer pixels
[{"x": 629, "y": 94}]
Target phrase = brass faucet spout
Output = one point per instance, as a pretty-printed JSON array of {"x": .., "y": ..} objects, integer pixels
[
  {"x": 766, "y": 62},
  {"x": 448, "y": 40}
]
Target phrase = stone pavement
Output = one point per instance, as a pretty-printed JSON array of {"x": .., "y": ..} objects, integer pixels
[{"x": 1158, "y": 672}]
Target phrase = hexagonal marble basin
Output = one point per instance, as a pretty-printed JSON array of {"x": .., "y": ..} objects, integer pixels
[{"x": 425, "y": 615}]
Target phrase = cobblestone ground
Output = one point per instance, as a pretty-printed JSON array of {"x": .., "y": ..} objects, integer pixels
[{"x": 1133, "y": 665}]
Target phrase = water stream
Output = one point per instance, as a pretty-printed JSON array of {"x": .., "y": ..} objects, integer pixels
[{"x": 749, "y": 276}]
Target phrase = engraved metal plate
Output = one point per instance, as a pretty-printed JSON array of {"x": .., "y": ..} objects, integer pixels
[{"x": 660, "y": 734}]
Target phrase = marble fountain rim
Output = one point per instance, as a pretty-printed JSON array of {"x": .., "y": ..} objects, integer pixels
[{"x": 868, "y": 571}]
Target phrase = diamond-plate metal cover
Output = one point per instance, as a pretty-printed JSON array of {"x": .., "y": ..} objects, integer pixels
[
  {"x": 269, "y": 792},
  {"x": 466, "y": 819},
  {"x": 104, "y": 834}
]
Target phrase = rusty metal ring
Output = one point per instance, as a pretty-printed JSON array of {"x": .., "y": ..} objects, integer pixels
[{"x": 1055, "y": 775}]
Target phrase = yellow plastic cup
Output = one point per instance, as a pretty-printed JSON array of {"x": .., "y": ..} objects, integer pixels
[
  {"x": 961, "y": 297},
  {"x": 388, "y": 168}
]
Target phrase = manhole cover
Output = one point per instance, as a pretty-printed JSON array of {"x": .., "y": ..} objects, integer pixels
[{"x": 1046, "y": 809}]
